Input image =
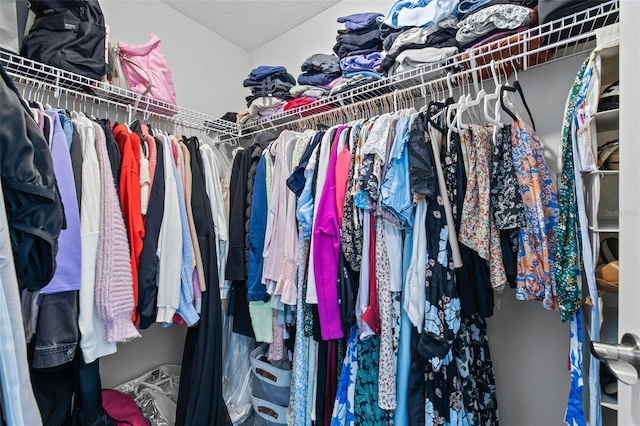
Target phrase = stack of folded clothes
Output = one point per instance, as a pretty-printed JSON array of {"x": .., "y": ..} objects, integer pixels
[
  {"x": 319, "y": 73},
  {"x": 270, "y": 87},
  {"x": 417, "y": 33},
  {"x": 494, "y": 20},
  {"x": 319, "y": 70},
  {"x": 359, "y": 47}
]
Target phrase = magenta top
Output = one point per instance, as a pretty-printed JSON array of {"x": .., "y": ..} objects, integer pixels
[{"x": 326, "y": 251}]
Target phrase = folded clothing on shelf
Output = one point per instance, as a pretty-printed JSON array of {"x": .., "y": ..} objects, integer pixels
[
  {"x": 359, "y": 40},
  {"x": 497, "y": 17},
  {"x": 321, "y": 62},
  {"x": 361, "y": 62},
  {"x": 317, "y": 78},
  {"x": 265, "y": 106},
  {"x": 492, "y": 36},
  {"x": 419, "y": 38},
  {"x": 269, "y": 81},
  {"x": 419, "y": 13},
  {"x": 264, "y": 71},
  {"x": 417, "y": 58},
  {"x": 358, "y": 21},
  {"x": 347, "y": 83},
  {"x": 301, "y": 89},
  {"x": 298, "y": 102}
]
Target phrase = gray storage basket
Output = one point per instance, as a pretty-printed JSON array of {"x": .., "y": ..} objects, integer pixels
[{"x": 271, "y": 389}]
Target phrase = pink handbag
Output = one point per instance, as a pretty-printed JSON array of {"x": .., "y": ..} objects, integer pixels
[{"x": 146, "y": 70}]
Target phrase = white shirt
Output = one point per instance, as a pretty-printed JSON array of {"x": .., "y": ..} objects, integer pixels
[
  {"x": 213, "y": 187},
  {"x": 91, "y": 327},
  {"x": 169, "y": 243}
]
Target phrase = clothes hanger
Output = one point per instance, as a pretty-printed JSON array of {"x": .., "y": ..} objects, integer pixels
[
  {"x": 497, "y": 81},
  {"x": 516, "y": 88},
  {"x": 469, "y": 108},
  {"x": 452, "y": 112}
]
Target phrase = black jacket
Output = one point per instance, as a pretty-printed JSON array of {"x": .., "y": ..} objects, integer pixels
[
  {"x": 148, "y": 270},
  {"x": 33, "y": 205}
]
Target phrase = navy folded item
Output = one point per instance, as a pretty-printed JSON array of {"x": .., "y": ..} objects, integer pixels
[
  {"x": 389, "y": 34},
  {"x": 317, "y": 78},
  {"x": 362, "y": 39},
  {"x": 282, "y": 77},
  {"x": 264, "y": 71},
  {"x": 346, "y": 49}
]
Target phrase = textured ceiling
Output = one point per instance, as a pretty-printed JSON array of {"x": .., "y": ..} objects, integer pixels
[{"x": 250, "y": 23}]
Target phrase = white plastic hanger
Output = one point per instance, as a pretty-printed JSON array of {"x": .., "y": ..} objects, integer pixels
[
  {"x": 493, "y": 97},
  {"x": 470, "y": 106}
]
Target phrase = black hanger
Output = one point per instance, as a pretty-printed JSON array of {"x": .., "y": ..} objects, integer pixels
[
  {"x": 433, "y": 108},
  {"x": 516, "y": 89}
]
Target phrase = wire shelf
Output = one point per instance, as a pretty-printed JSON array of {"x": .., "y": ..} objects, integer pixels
[
  {"x": 559, "y": 39},
  {"x": 59, "y": 81},
  {"x": 556, "y": 40}
]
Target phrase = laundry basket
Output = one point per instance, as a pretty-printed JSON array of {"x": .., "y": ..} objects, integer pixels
[
  {"x": 156, "y": 393},
  {"x": 271, "y": 388}
]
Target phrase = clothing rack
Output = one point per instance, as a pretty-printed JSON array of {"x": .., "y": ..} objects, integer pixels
[
  {"x": 82, "y": 90},
  {"x": 563, "y": 38}
]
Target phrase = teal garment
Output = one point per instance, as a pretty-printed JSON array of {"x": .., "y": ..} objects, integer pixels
[{"x": 367, "y": 411}]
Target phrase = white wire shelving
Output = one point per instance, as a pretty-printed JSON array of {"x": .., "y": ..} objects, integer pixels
[
  {"x": 556, "y": 40},
  {"x": 74, "y": 86}
]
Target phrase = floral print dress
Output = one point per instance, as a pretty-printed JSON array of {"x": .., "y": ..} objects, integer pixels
[
  {"x": 477, "y": 229},
  {"x": 536, "y": 279},
  {"x": 475, "y": 369},
  {"x": 443, "y": 390}
]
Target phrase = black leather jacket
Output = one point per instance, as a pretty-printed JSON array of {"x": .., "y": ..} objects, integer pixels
[{"x": 33, "y": 204}]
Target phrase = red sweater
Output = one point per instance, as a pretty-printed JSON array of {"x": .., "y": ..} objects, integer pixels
[{"x": 129, "y": 145}]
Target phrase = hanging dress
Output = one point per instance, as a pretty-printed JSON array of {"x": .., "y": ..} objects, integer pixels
[
  {"x": 443, "y": 393},
  {"x": 536, "y": 279},
  {"x": 200, "y": 398}
]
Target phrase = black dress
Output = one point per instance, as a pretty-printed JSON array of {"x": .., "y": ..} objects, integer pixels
[{"x": 200, "y": 400}]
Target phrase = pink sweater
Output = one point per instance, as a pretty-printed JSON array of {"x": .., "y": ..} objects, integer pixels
[{"x": 326, "y": 246}]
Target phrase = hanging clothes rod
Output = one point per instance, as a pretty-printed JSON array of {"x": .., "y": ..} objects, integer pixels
[
  {"x": 68, "y": 98},
  {"x": 103, "y": 93},
  {"x": 568, "y": 36}
]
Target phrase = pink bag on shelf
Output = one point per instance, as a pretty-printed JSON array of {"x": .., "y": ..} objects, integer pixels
[{"x": 146, "y": 70}]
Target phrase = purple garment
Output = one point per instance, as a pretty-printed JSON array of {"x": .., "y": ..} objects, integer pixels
[
  {"x": 317, "y": 78},
  {"x": 68, "y": 268},
  {"x": 330, "y": 85},
  {"x": 264, "y": 71},
  {"x": 326, "y": 251},
  {"x": 361, "y": 62},
  {"x": 359, "y": 20}
]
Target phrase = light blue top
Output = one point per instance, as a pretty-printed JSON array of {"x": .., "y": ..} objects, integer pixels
[
  {"x": 419, "y": 13},
  {"x": 186, "y": 309},
  {"x": 395, "y": 189}
]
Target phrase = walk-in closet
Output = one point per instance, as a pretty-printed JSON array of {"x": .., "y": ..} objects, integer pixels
[{"x": 319, "y": 213}]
